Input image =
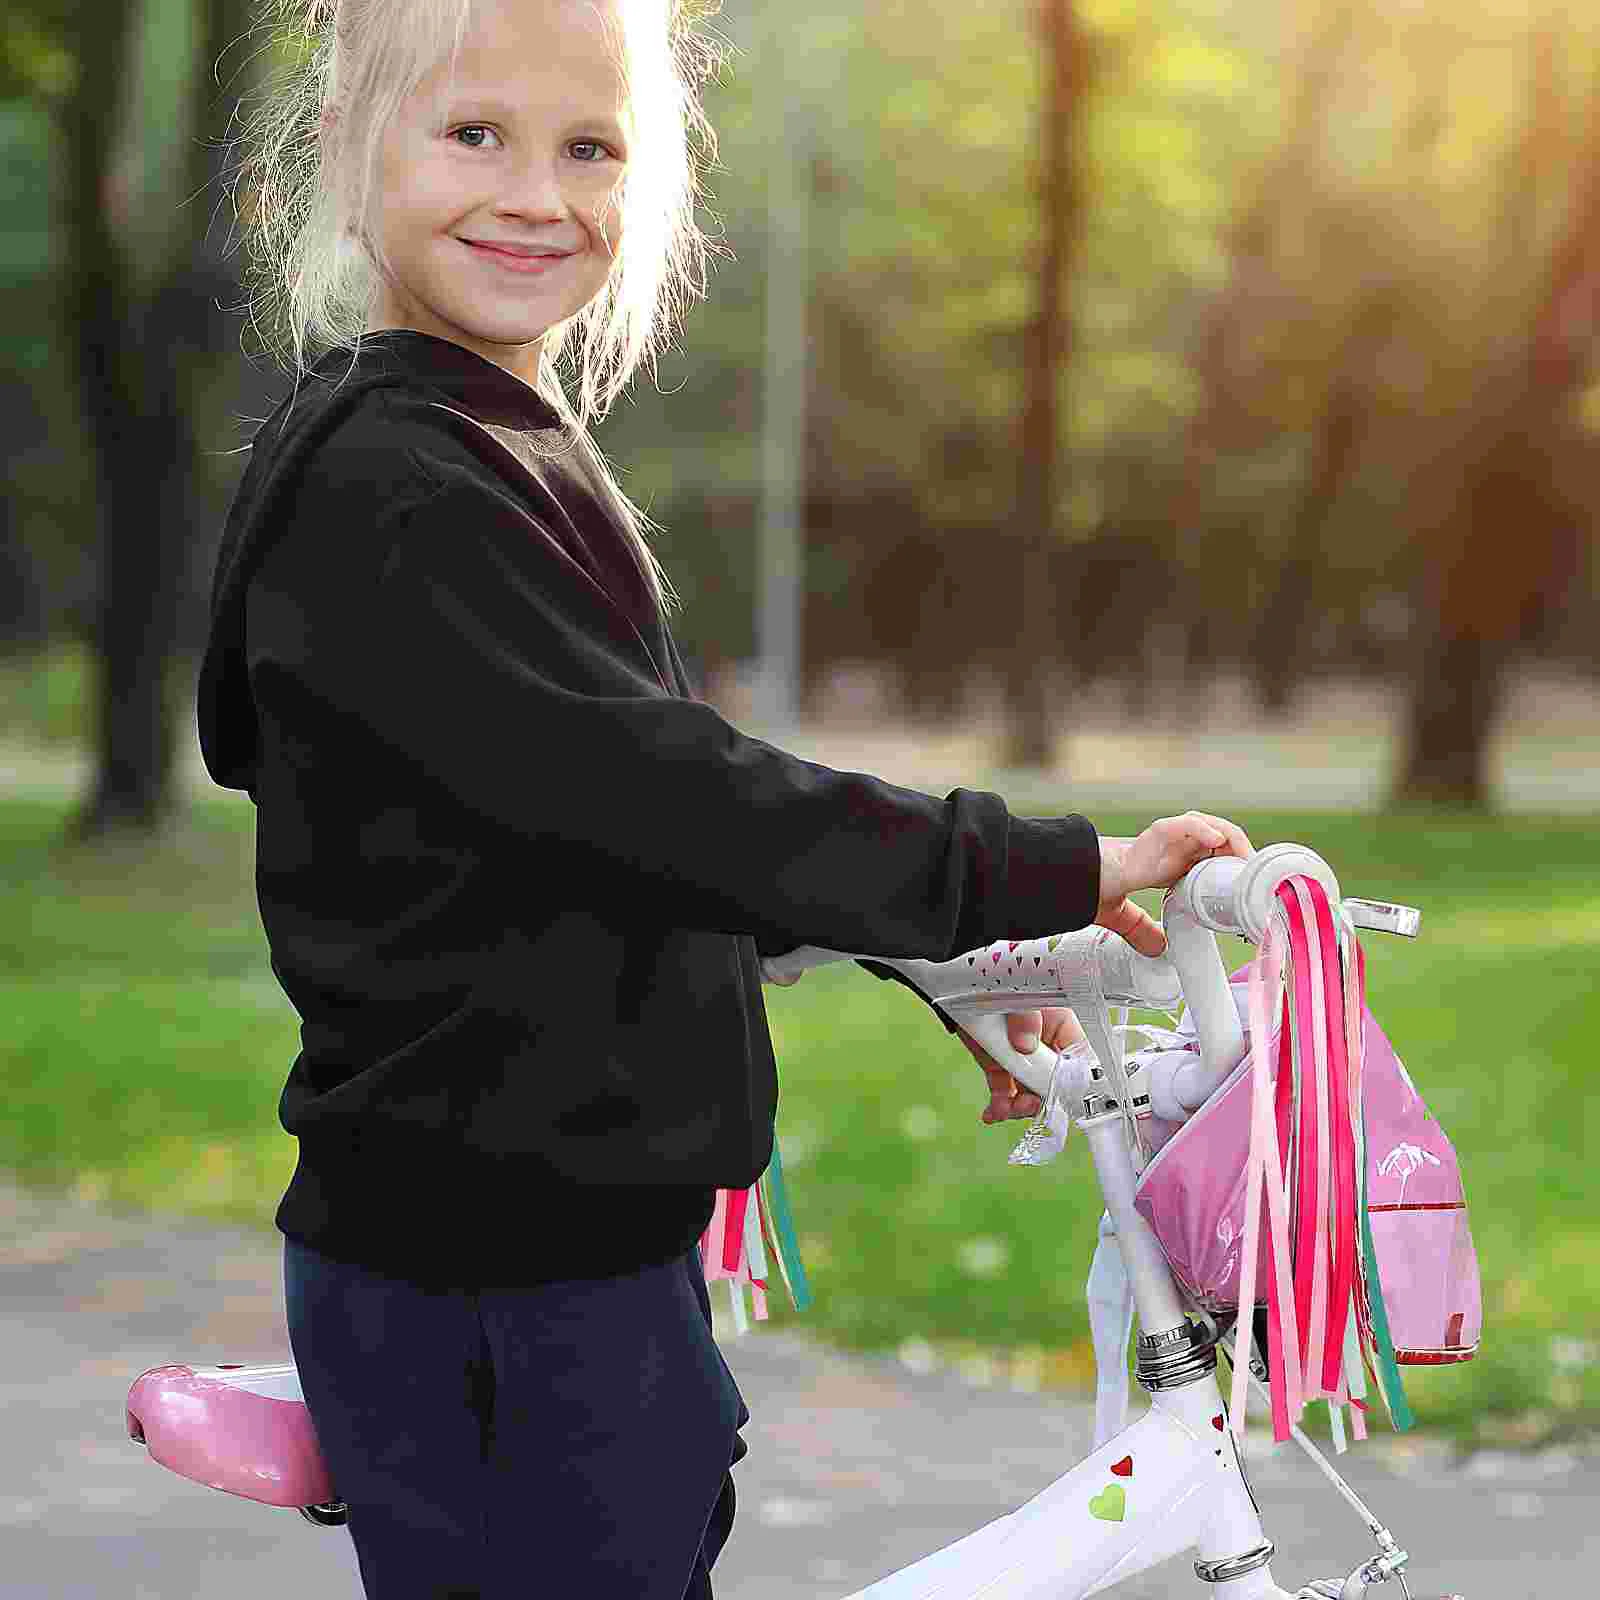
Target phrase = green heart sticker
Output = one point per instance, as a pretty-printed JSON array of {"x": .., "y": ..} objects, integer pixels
[{"x": 1110, "y": 1504}]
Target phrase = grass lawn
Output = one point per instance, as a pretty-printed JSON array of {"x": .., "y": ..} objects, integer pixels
[{"x": 149, "y": 1041}]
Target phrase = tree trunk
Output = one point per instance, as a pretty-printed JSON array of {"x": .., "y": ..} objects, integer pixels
[
  {"x": 1453, "y": 709},
  {"x": 1033, "y": 657},
  {"x": 1499, "y": 561},
  {"x": 21, "y": 593},
  {"x": 137, "y": 356},
  {"x": 95, "y": 307}
]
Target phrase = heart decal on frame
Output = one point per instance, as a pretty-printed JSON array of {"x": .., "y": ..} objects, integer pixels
[
  {"x": 1110, "y": 1505},
  {"x": 1123, "y": 1468}
]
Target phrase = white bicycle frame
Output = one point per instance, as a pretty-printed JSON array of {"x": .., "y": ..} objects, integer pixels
[{"x": 1172, "y": 1481}]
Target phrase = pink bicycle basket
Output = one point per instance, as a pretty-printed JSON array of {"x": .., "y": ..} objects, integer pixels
[{"x": 1193, "y": 1195}]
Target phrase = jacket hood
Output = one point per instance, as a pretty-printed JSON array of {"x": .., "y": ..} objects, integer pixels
[{"x": 331, "y": 390}]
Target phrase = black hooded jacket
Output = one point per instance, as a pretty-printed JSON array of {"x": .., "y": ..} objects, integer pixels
[{"x": 514, "y": 876}]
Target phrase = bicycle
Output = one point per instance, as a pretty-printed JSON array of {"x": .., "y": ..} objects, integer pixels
[{"x": 1172, "y": 1481}]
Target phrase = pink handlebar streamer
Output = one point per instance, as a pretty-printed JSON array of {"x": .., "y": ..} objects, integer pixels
[{"x": 1306, "y": 1135}]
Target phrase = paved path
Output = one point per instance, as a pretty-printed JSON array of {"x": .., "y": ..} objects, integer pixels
[{"x": 856, "y": 1467}]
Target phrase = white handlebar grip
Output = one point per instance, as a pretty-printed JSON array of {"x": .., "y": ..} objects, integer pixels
[{"x": 1230, "y": 895}]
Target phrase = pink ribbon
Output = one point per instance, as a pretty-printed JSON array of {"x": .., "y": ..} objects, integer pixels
[
  {"x": 1264, "y": 1169},
  {"x": 1341, "y": 1090}
]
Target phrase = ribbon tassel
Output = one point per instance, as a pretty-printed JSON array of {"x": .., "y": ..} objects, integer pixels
[
  {"x": 1327, "y": 1323},
  {"x": 750, "y": 1231}
]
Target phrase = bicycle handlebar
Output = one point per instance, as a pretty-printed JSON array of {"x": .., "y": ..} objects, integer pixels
[{"x": 1225, "y": 894}]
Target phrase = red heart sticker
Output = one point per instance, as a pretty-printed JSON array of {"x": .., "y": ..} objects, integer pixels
[
  {"x": 1124, "y": 1467},
  {"x": 1216, "y": 1422}
]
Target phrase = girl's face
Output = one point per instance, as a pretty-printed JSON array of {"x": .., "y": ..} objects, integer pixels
[{"x": 527, "y": 155}]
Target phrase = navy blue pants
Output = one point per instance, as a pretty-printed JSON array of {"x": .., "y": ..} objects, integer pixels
[{"x": 571, "y": 1440}]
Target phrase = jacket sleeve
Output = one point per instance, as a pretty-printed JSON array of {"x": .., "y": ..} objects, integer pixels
[{"x": 471, "y": 647}]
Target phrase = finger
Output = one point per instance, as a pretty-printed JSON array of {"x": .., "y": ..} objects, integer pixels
[
  {"x": 1008, "y": 1099},
  {"x": 1001, "y": 1082},
  {"x": 1023, "y": 1029},
  {"x": 1142, "y": 931},
  {"x": 1024, "y": 1106},
  {"x": 1136, "y": 925},
  {"x": 976, "y": 1050},
  {"x": 1201, "y": 832},
  {"x": 1007, "y": 1104},
  {"x": 1237, "y": 839},
  {"x": 1002, "y": 1092},
  {"x": 1061, "y": 1027},
  {"x": 992, "y": 1069}
]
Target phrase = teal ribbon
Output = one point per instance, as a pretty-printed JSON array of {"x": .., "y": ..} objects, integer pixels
[
  {"x": 1400, "y": 1413},
  {"x": 787, "y": 1242}
]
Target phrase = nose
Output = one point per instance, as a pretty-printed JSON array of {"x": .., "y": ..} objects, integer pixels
[{"x": 534, "y": 193}]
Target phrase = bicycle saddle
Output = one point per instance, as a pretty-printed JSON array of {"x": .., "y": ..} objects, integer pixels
[{"x": 242, "y": 1429}]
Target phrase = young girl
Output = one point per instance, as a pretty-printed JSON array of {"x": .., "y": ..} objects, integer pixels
[{"x": 516, "y": 880}]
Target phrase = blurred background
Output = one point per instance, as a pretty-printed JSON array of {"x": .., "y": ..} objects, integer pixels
[{"x": 1126, "y": 405}]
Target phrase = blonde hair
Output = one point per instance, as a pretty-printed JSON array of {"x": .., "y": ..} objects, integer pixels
[{"x": 310, "y": 277}]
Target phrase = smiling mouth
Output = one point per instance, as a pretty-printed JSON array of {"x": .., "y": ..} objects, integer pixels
[{"x": 514, "y": 262}]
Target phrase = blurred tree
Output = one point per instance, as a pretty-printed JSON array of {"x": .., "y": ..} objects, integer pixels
[
  {"x": 34, "y": 63},
  {"x": 1287, "y": 300},
  {"x": 1226, "y": 360},
  {"x": 1409, "y": 316},
  {"x": 1512, "y": 496},
  {"x": 1047, "y": 345},
  {"x": 924, "y": 305},
  {"x": 138, "y": 313}
]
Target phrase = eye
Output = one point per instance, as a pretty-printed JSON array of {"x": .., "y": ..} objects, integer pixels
[
  {"x": 474, "y": 127},
  {"x": 591, "y": 150}
]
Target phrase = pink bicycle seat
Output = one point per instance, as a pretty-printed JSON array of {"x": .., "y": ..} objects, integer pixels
[{"x": 242, "y": 1429}]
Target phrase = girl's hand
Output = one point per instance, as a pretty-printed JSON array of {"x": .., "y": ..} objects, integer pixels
[
  {"x": 1008, "y": 1100},
  {"x": 1156, "y": 860}
]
